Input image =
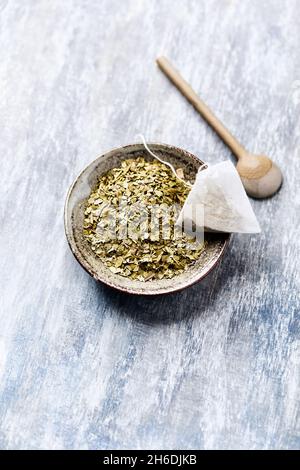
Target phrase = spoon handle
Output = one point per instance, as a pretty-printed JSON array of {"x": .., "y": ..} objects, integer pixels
[{"x": 187, "y": 91}]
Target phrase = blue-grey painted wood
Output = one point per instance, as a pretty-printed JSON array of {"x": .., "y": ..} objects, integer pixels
[{"x": 81, "y": 366}]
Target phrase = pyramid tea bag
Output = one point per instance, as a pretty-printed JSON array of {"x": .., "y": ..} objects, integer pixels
[{"x": 218, "y": 202}]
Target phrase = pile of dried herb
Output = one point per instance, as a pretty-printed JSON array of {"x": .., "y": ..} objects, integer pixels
[{"x": 149, "y": 255}]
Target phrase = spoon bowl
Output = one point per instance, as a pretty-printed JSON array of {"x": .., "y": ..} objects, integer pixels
[{"x": 260, "y": 176}]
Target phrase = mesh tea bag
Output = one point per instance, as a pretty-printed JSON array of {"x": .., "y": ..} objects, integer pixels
[{"x": 219, "y": 199}]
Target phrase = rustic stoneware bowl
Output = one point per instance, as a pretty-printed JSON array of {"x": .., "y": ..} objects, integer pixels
[{"x": 74, "y": 215}]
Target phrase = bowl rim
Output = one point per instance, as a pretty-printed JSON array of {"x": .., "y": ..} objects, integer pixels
[{"x": 92, "y": 273}]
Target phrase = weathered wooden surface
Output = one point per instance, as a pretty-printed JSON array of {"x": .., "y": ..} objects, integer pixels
[{"x": 81, "y": 366}]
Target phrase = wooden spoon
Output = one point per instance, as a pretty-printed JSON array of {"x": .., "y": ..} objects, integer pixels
[{"x": 260, "y": 176}]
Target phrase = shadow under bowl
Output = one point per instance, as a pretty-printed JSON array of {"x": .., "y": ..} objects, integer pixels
[{"x": 216, "y": 243}]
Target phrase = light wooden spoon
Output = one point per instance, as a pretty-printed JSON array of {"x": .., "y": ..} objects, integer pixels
[{"x": 260, "y": 176}]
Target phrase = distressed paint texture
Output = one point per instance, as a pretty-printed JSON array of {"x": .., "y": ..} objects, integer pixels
[{"x": 215, "y": 366}]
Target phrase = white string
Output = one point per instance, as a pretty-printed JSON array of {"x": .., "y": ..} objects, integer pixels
[{"x": 161, "y": 161}]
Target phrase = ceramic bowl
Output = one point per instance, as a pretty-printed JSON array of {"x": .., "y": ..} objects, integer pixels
[{"x": 74, "y": 215}]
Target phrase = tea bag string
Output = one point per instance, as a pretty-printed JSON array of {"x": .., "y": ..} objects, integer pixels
[{"x": 162, "y": 161}]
